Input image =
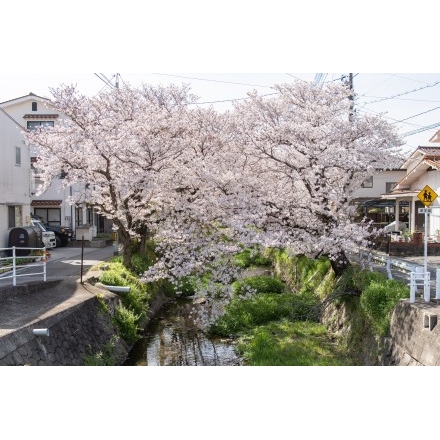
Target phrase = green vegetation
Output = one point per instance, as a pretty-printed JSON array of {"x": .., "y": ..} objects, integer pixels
[
  {"x": 280, "y": 325},
  {"x": 259, "y": 284},
  {"x": 242, "y": 315},
  {"x": 105, "y": 357},
  {"x": 133, "y": 307},
  {"x": 286, "y": 343},
  {"x": 378, "y": 295},
  {"x": 251, "y": 257}
]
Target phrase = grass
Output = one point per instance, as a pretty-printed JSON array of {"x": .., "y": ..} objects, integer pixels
[{"x": 286, "y": 343}]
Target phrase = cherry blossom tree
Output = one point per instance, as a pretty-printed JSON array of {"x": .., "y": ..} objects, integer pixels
[
  {"x": 277, "y": 172},
  {"x": 120, "y": 147},
  {"x": 308, "y": 153}
]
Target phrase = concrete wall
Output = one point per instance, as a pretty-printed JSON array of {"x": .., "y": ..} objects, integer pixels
[
  {"x": 81, "y": 330},
  {"x": 414, "y": 335}
]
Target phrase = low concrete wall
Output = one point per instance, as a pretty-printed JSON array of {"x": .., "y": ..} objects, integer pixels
[{"x": 414, "y": 335}]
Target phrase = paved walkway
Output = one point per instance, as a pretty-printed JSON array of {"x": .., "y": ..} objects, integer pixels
[{"x": 32, "y": 299}]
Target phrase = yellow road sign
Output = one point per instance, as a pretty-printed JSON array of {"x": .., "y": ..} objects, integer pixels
[{"x": 427, "y": 195}]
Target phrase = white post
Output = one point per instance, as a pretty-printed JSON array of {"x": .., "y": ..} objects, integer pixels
[
  {"x": 412, "y": 288},
  {"x": 14, "y": 279},
  {"x": 390, "y": 275},
  {"x": 427, "y": 287},
  {"x": 426, "y": 241},
  {"x": 44, "y": 263},
  {"x": 437, "y": 284}
]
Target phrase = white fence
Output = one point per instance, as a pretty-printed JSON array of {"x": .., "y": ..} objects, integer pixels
[
  {"x": 15, "y": 266},
  {"x": 416, "y": 273}
]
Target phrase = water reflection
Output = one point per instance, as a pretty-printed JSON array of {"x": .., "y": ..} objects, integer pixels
[{"x": 172, "y": 339}]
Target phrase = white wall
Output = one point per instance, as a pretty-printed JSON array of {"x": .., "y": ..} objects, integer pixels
[
  {"x": 379, "y": 184},
  {"x": 14, "y": 179}
]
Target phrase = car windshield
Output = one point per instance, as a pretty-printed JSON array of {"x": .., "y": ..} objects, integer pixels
[{"x": 38, "y": 224}]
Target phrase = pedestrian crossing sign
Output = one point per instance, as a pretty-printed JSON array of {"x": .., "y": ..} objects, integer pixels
[{"x": 427, "y": 195}]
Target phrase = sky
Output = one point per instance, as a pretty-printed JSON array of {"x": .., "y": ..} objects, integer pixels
[{"x": 410, "y": 101}]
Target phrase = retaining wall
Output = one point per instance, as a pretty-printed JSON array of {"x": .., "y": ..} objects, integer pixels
[
  {"x": 414, "y": 335},
  {"x": 80, "y": 330}
]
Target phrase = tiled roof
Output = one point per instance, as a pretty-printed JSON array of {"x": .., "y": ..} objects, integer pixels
[
  {"x": 430, "y": 150},
  {"x": 40, "y": 116},
  {"x": 46, "y": 202}
]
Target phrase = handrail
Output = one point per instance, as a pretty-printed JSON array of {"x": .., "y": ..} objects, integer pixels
[{"x": 14, "y": 266}]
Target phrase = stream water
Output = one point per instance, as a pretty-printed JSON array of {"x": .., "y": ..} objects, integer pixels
[{"x": 173, "y": 339}]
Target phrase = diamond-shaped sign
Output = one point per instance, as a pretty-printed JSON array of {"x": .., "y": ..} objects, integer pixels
[{"x": 427, "y": 195}]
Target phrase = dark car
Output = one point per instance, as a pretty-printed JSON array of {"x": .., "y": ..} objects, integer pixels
[{"x": 62, "y": 233}]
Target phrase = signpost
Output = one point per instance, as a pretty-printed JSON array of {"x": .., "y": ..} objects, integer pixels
[{"x": 427, "y": 196}]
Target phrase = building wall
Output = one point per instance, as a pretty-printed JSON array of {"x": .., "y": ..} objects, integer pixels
[
  {"x": 379, "y": 184},
  {"x": 14, "y": 178}
]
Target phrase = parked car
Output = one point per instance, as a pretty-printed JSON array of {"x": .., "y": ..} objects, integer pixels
[
  {"x": 62, "y": 233},
  {"x": 48, "y": 237}
]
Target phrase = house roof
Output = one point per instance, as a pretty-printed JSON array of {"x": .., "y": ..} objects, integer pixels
[
  {"x": 41, "y": 116},
  {"x": 427, "y": 158},
  {"x": 24, "y": 98},
  {"x": 46, "y": 202}
]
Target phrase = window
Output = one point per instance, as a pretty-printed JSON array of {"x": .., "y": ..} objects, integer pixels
[
  {"x": 78, "y": 216},
  {"x": 89, "y": 216},
  {"x": 49, "y": 215},
  {"x": 368, "y": 183},
  {"x": 15, "y": 216},
  {"x": 389, "y": 186},
  {"x": 32, "y": 125},
  {"x": 34, "y": 106},
  {"x": 18, "y": 156}
]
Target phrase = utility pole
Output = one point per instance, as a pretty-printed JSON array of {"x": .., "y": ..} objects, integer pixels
[
  {"x": 351, "y": 97},
  {"x": 108, "y": 81}
]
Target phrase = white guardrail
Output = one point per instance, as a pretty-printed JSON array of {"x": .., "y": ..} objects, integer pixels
[
  {"x": 416, "y": 272},
  {"x": 12, "y": 265}
]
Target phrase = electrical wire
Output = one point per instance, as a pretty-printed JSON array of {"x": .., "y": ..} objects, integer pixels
[{"x": 214, "y": 80}]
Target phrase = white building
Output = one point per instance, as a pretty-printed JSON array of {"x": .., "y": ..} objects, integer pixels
[
  {"x": 31, "y": 111},
  {"x": 370, "y": 201},
  {"x": 422, "y": 169},
  {"x": 15, "y": 172}
]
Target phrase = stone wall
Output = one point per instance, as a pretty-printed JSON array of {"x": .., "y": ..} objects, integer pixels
[{"x": 83, "y": 329}]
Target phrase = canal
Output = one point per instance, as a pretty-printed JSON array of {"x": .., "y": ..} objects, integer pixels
[{"x": 173, "y": 338}]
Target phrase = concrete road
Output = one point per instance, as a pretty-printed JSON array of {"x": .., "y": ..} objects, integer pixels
[{"x": 64, "y": 263}]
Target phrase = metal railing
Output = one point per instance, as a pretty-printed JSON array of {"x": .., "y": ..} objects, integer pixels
[
  {"x": 12, "y": 265},
  {"x": 417, "y": 275}
]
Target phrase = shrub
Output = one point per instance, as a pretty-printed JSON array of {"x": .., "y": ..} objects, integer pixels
[
  {"x": 378, "y": 300},
  {"x": 251, "y": 257},
  {"x": 258, "y": 283},
  {"x": 242, "y": 314},
  {"x": 126, "y": 322}
]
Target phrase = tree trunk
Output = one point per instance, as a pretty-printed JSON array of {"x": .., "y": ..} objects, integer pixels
[
  {"x": 125, "y": 241},
  {"x": 339, "y": 263}
]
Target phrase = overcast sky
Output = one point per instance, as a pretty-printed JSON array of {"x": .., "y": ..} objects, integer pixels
[{"x": 411, "y": 98}]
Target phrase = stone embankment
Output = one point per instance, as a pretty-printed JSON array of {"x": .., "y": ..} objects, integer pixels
[{"x": 74, "y": 319}]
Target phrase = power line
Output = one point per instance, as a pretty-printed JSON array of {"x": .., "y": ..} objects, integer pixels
[
  {"x": 405, "y": 93},
  {"x": 404, "y": 77},
  {"x": 429, "y": 127},
  {"x": 427, "y": 111},
  {"x": 213, "y": 80}
]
